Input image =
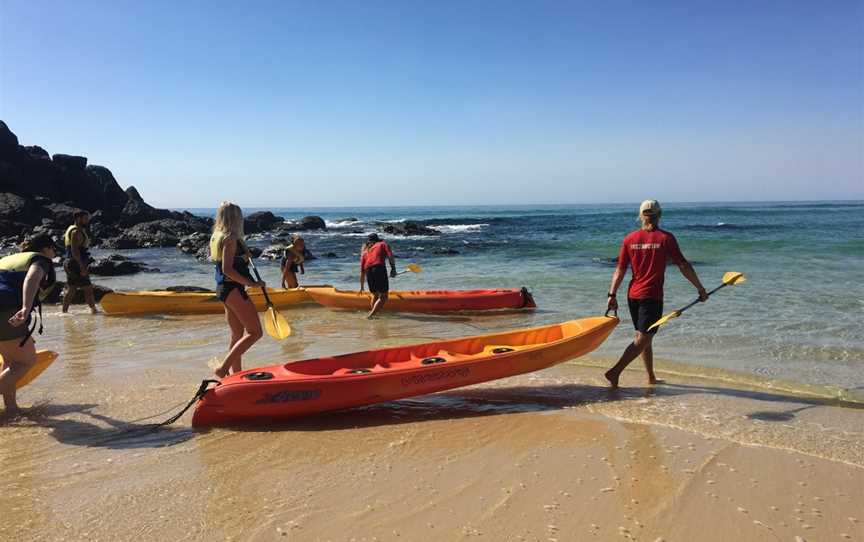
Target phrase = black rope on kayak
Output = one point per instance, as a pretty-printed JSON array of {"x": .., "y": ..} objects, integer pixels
[{"x": 202, "y": 389}]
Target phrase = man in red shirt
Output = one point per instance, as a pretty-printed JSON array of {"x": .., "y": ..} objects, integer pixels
[
  {"x": 646, "y": 252},
  {"x": 373, "y": 270}
]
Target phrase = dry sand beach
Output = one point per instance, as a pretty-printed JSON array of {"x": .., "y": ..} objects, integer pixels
[{"x": 546, "y": 456}]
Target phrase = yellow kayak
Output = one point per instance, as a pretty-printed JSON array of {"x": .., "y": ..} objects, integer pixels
[
  {"x": 194, "y": 302},
  {"x": 44, "y": 358}
]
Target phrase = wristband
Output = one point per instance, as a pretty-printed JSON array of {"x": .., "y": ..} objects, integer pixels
[{"x": 610, "y": 295}]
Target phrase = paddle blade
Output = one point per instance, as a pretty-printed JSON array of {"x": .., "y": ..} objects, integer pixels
[
  {"x": 276, "y": 325},
  {"x": 660, "y": 322},
  {"x": 414, "y": 268},
  {"x": 733, "y": 277}
]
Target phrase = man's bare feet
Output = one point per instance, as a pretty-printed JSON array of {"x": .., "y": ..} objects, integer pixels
[
  {"x": 612, "y": 378},
  {"x": 652, "y": 380}
]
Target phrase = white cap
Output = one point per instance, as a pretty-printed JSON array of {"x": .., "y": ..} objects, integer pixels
[{"x": 650, "y": 207}]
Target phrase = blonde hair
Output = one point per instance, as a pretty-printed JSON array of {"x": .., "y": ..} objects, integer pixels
[
  {"x": 229, "y": 220},
  {"x": 649, "y": 221}
]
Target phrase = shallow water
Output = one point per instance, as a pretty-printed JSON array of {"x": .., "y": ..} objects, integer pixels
[{"x": 798, "y": 318}]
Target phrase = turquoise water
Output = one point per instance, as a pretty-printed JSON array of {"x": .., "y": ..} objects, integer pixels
[{"x": 798, "y": 318}]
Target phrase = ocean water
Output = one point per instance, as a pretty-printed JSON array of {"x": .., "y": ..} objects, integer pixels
[{"x": 796, "y": 322}]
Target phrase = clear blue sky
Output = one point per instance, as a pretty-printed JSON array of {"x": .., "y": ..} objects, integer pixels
[{"x": 436, "y": 102}]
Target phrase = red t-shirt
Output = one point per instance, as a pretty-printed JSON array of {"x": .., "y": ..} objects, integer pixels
[
  {"x": 647, "y": 252},
  {"x": 375, "y": 255}
]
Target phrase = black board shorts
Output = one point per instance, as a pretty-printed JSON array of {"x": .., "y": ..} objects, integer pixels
[
  {"x": 224, "y": 289},
  {"x": 9, "y": 305},
  {"x": 73, "y": 274},
  {"x": 644, "y": 313},
  {"x": 376, "y": 278}
]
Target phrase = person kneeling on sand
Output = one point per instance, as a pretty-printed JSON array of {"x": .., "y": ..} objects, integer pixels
[
  {"x": 292, "y": 261},
  {"x": 374, "y": 271},
  {"x": 231, "y": 259},
  {"x": 24, "y": 280},
  {"x": 77, "y": 262},
  {"x": 646, "y": 252}
]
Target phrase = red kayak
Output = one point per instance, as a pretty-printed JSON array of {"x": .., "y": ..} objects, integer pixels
[
  {"x": 363, "y": 378},
  {"x": 428, "y": 300}
]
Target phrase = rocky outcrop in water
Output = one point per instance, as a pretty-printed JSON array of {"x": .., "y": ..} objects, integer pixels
[
  {"x": 407, "y": 228},
  {"x": 56, "y": 294},
  {"x": 116, "y": 265}
]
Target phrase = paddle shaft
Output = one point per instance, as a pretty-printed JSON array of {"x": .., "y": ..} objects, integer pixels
[
  {"x": 263, "y": 288},
  {"x": 697, "y": 300}
]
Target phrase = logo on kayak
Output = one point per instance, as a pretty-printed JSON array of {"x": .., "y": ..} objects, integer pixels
[
  {"x": 415, "y": 380},
  {"x": 289, "y": 396}
]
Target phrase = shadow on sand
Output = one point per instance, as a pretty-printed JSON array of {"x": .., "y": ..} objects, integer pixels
[
  {"x": 102, "y": 432},
  {"x": 480, "y": 402}
]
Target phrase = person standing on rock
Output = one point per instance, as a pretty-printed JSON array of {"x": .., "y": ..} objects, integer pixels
[
  {"x": 646, "y": 252},
  {"x": 77, "y": 262},
  {"x": 231, "y": 259},
  {"x": 24, "y": 279},
  {"x": 374, "y": 271}
]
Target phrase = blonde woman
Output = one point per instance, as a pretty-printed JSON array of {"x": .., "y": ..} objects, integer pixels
[{"x": 231, "y": 258}]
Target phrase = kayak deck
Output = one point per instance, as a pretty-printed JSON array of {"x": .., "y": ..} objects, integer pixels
[
  {"x": 150, "y": 302},
  {"x": 428, "y": 300},
  {"x": 362, "y": 378}
]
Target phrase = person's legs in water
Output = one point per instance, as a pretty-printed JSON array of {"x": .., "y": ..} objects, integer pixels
[
  {"x": 68, "y": 296},
  {"x": 648, "y": 360},
  {"x": 90, "y": 298},
  {"x": 638, "y": 346},
  {"x": 244, "y": 311},
  {"x": 17, "y": 361},
  {"x": 379, "y": 300}
]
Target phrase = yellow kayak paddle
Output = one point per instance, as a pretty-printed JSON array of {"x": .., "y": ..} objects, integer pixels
[
  {"x": 729, "y": 279},
  {"x": 274, "y": 323},
  {"x": 413, "y": 267}
]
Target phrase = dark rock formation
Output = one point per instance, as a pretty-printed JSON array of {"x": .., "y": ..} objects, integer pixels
[
  {"x": 70, "y": 162},
  {"x": 261, "y": 221},
  {"x": 407, "y": 228},
  {"x": 41, "y": 192},
  {"x": 55, "y": 295},
  {"x": 116, "y": 265},
  {"x": 311, "y": 222},
  {"x": 196, "y": 244},
  {"x": 157, "y": 233}
]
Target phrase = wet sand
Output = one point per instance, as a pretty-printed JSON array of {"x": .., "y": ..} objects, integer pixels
[{"x": 546, "y": 456}]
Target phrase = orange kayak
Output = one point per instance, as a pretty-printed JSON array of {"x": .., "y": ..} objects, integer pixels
[
  {"x": 125, "y": 303},
  {"x": 363, "y": 378},
  {"x": 428, "y": 300}
]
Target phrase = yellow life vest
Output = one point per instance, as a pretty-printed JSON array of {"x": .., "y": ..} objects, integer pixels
[
  {"x": 216, "y": 246},
  {"x": 297, "y": 253},
  {"x": 67, "y": 237},
  {"x": 13, "y": 271}
]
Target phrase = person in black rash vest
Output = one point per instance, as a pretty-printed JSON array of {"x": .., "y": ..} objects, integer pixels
[
  {"x": 231, "y": 258},
  {"x": 25, "y": 278}
]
